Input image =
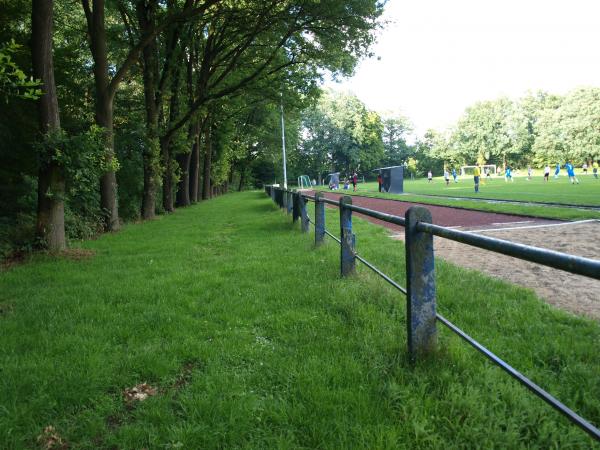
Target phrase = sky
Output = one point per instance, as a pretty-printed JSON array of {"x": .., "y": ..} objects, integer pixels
[{"x": 436, "y": 57}]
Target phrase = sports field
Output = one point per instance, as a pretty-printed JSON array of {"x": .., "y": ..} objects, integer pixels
[
  {"x": 555, "y": 199},
  {"x": 560, "y": 190}
]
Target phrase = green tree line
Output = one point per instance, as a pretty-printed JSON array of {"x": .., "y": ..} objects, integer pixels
[
  {"x": 537, "y": 129},
  {"x": 116, "y": 110}
]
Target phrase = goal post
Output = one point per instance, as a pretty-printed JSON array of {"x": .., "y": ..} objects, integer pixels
[{"x": 468, "y": 170}]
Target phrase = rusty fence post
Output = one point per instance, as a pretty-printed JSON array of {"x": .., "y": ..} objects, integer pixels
[
  {"x": 347, "y": 257},
  {"x": 319, "y": 219},
  {"x": 296, "y": 206},
  {"x": 304, "y": 214},
  {"x": 420, "y": 284},
  {"x": 285, "y": 200}
]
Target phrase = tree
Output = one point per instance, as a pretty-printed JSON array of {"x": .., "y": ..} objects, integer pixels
[
  {"x": 570, "y": 130},
  {"x": 341, "y": 134},
  {"x": 396, "y": 150},
  {"x": 50, "y": 226},
  {"x": 491, "y": 131}
]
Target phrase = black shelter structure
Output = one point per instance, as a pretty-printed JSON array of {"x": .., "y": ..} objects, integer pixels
[{"x": 392, "y": 179}]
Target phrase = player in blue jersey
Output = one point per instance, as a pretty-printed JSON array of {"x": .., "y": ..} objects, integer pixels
[
  {"x": 557, "y": 171},
  {"x": 508, "y": 174},
  {"x": 571, "y": 173}
]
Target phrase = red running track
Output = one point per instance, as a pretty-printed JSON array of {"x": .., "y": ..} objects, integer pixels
[{"x": 441, "y": 215}]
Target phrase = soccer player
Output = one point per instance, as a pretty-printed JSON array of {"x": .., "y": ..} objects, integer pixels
[
  {"x": 508, "y": 175},
  {"x": 595, "y": 169},
  {"x": 454, "y": 174},
  {"x": 429, "y": 176},
  {"x": 476, "y": 176},
  {"x": 571, "y": 172},
  {"x": 557, "y": 171},
  {"x": 546, "y": 172},
  {"x": 446, "y": 177},
  {"x": 528, "y": 173}
]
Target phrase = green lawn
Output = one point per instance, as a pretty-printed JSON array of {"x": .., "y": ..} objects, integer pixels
[{"x": 252, "y": 340}]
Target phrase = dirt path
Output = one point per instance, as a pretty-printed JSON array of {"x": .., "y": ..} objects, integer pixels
[{"x": 577, "y": 294}]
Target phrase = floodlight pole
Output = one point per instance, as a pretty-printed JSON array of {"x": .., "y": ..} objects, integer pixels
[{"x": 283, "y": 145}]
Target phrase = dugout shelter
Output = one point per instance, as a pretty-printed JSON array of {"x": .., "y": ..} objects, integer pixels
[{"x": 392, "y": 179}]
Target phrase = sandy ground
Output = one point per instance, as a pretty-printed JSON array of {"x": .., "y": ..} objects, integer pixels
[{"x": 574, "y": 293}]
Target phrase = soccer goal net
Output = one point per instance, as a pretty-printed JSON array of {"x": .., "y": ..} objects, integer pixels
[
  {"x": 304, "y": 182},
  {"x": 486, "y": 168}
]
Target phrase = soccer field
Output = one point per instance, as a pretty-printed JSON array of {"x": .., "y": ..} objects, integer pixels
[{"x": 587, "y": 192}]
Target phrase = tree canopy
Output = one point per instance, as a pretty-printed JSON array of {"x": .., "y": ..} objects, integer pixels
[{"x": 162, "y": 103}]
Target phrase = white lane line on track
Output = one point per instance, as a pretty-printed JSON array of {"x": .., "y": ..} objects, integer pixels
[
  {"x": 534, "y": 226},
  {"x": 509, "y": 223}
]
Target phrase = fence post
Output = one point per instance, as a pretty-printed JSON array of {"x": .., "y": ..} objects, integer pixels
[
  {"x": 347, "y": 258},
  {"x": 290, "y": 202},
  {"x": 273, "y": 194},
  {"x": 420, "y": 285},
  {"x": 296, "y": 206},
  {"x": 319, "y": 219},
  {"x": 304, "y": 214},
  {"x": 284, "y": 200}
]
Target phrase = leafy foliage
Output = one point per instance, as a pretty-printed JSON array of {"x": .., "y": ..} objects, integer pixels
[{"x": 13, "y": 81}]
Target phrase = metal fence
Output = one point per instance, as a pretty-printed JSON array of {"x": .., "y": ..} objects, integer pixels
[{"x": 420, "y": 291}]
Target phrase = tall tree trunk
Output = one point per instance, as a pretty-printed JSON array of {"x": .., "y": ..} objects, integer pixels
[
  {"x": 206, "y": 186},
  {"x": 183, "y": 187},
  {"x": 151, "y": 155},
  {"x": 104, "y": 110},
  {"x": 50, "y": 223},
  {"x": 242, "y": 179},
  {"x": 167, "y": 160},
  {"x": 195, "y": 168}
]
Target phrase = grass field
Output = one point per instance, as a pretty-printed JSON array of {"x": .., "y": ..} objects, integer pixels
[
  {"x": 252, "y": 340},
  {"x": 555, "y": 191},
  {"x": 587, "y": 192}
]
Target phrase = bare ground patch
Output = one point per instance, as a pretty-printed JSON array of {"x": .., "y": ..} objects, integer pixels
[{"x": 574, "y": 293}]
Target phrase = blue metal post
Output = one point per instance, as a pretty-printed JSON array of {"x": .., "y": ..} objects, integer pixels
[
  {"x": 319, "y": 219},
  {"x": 296, "y": 207},
  {"x": 347, "y": 256},
  {"x": 304, "y": 214},
  {"x": 420, "y": 285}
]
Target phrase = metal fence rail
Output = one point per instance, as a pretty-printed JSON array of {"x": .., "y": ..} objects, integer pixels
[{"x": 420, "y": 290}]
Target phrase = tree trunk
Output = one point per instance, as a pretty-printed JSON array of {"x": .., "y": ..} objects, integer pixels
[
  {"x": 183, "y": 188},
  {"x": 242, "y": 179},
  {"x": 50, "y": 223},
  {"x": 195, "y": 169},
  {"x": 206, "y": 186},
  {"x": 167, "y": 159},
  {"x": 151, "y": 155},
  {"x": 104, "y": 111}
]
